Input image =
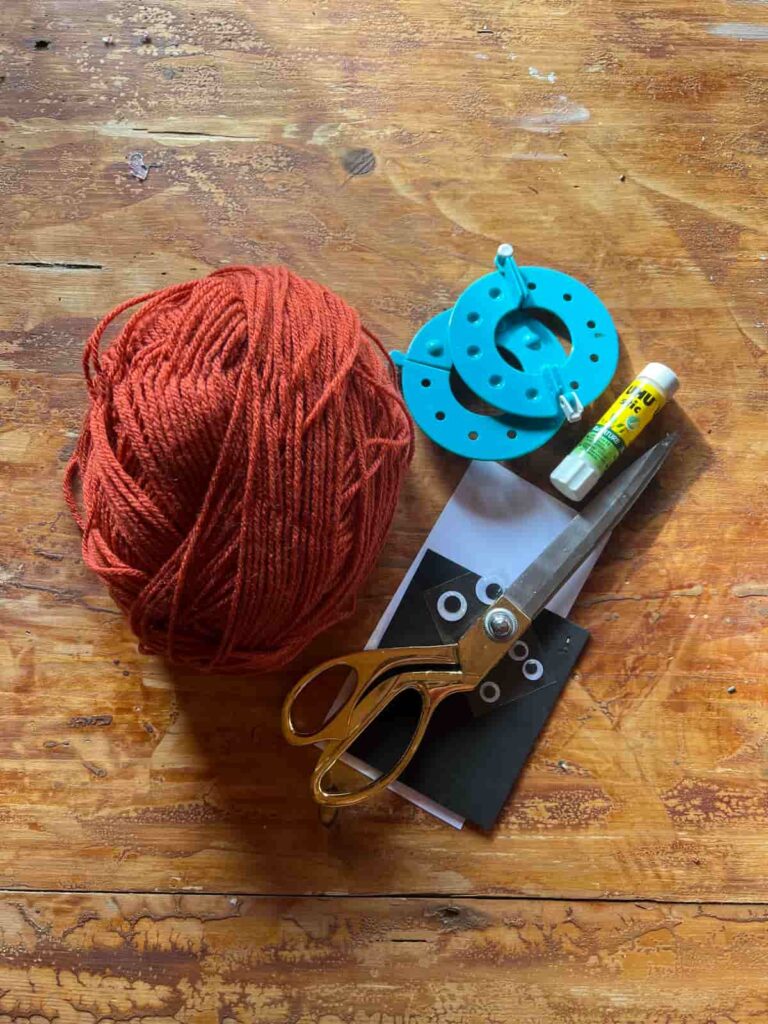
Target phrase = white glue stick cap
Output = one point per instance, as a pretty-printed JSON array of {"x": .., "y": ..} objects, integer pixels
[
  {"x": 575, "y": 476},
  {"x": 666, "y": 380}
]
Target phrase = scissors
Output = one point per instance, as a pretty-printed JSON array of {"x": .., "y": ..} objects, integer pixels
[{"x": 374, "y": 678}]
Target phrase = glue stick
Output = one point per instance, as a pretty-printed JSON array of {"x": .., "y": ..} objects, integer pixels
[{"x": 632, "y": 411}]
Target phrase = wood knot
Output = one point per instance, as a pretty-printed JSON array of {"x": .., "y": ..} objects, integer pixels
[
  {"x": 85, "y": 721},
  {"x": 358, "y": 161},
  {"x": 449, "y": 912}
]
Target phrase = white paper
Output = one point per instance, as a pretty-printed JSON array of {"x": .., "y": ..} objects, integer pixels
[{"x": 495, "y": 524}]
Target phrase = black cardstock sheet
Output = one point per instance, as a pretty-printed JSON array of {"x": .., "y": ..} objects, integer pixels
[{"x": 476, "y": 744}]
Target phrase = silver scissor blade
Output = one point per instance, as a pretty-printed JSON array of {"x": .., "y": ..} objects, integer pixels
[{"x": 559, "y": 560}]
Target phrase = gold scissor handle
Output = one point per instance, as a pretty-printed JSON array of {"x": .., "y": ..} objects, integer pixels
[
  {"x": 334, "y": 751},
  {"x": 380, "y": 675},
  {"x": 366, "y": 667},
  {"x": 371, "y": 691}
]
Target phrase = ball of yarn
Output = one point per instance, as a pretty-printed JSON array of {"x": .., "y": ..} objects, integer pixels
[{"x": 239, "y": 465}]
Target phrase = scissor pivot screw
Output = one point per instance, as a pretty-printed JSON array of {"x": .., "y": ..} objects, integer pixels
[{"x": 500, "y": 624}]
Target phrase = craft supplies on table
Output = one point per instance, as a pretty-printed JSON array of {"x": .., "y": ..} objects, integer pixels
[
  {"x": 433, "y": 673},
  {"x": 488, "y": 531}
]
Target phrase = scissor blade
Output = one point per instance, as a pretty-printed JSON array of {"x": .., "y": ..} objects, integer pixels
[{"x": 559, "y": 560}]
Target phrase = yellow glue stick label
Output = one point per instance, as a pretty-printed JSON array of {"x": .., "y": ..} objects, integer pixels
[{"x": 632, "y": 411}]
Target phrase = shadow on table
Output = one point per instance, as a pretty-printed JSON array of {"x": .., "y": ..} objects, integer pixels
[{"x": 258, "y": 816}]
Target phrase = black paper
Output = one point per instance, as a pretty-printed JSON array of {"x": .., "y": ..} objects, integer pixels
[{"x": 469, "y": 760}]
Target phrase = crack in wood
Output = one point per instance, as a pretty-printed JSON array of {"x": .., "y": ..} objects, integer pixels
[
  {"x": 59, "y": 592},
  {"x": 181, "y": 133},
  {"x": 641, "y": 902},
  {"x": 694, "y": 591},
  {"x": 52, "y": 556},
  {"x": 750, "y": 590},
  {"x": 52, "y": 265}
]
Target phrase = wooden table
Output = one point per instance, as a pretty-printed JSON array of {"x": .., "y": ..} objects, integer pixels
[{"x": 160, "y": 858}]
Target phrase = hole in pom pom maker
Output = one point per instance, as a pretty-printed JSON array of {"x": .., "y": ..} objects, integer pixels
[{"x": 503, "y": 339}]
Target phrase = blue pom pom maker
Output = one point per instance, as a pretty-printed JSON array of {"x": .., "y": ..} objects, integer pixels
[{"x": 497, "y": 339}]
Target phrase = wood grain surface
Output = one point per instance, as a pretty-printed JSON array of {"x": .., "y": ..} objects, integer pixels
[
  {"x": 71, "y": 959},
  {"x": 385, "y": 148}
]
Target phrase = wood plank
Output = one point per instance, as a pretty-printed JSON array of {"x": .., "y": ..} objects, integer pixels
[
  {"x": 223, "y": 960},
  {"x": 640, "y": 170}
]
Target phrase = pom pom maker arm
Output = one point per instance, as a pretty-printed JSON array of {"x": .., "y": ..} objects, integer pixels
[{"x": 497, "y": 339}]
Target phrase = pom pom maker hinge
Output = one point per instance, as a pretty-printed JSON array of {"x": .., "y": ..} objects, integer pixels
[{"x": 497, "y": 339}]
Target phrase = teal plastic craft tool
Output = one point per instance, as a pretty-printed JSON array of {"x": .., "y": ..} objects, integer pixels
[{"x": 498, "y": 340}]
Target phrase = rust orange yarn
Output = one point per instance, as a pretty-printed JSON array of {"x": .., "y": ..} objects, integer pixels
[{"x": 239, "y": 465}]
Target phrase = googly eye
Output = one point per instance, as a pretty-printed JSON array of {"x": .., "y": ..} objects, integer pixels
[
  {"x": 452, "y": 606},
  {"x": 519, "y": 651},
  {"x": 533, "y": 669},
  {"x": 489, "y": 691},
  {"x": 489, "y": 588}
]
